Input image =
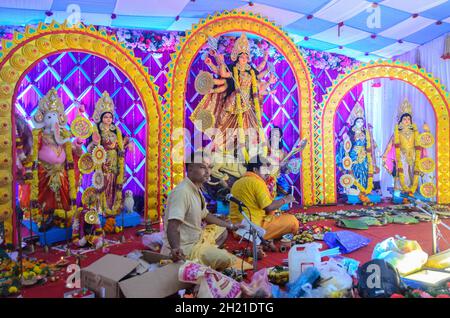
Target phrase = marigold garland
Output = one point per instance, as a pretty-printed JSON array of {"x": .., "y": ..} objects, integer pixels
[
  {"x": 71, "y": 176},
  {"x": 415, "y": 184},
  {"x": 239, "y": 113},
  {"x": 257, "y": 107},
  {"x": 120, "y": 176},
  {"x": 34, "y": 192}
]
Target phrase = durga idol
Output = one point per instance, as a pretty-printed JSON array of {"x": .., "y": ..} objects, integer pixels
[{"x": 232, "y": 101}]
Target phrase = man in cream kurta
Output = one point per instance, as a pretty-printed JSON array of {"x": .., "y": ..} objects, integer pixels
[
  {"x": 185, "y": 211},
  {"x": 186, "y": 204}
]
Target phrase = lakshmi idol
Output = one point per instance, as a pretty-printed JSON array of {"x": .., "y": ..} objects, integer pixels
[
  {"x": 108, "y": 153},
  {"x": 405, "y": 155}
]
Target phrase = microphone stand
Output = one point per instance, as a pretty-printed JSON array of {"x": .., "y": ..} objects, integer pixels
[
  {"x": 434, "y": 222},
  {"x": 254, "y": 234}
]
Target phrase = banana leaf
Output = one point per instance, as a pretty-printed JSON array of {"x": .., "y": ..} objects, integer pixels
[
  {"x": 405, "y": 219},
  {"x": 370, "y": 221},
  {"x": 352, "y": 224}
]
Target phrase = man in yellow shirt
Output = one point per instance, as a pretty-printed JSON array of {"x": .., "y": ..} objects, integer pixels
[
  {"x": 253, "y": 192},
  {"x": 184, "y": 237}
]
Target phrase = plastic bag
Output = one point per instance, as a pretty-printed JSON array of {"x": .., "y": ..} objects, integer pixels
[
  {"x": 259, "y": 287},
  {"x": 351, "y": 265},
  {"x": 296, "y": 289},
  {"x": 347, "y": 241},
  {"x": 334, "y": 276},
  {"x": 320, "y": 292},
  {"x": 212, "y": 283},
  {"x": 153, "y": 241},
  {"x": 405, "y": 255}
]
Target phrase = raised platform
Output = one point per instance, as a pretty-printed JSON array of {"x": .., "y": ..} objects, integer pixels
[
  {"x": 56, "y": 234},
  {"x": 129, "y": 219},
  {"x": 398, "y": 199},
  {"x": 353, "y": 199},
  {"x": 53, "y": 235}
]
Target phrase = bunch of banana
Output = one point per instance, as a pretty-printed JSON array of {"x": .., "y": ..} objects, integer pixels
[
  {"x": 279, "y": 275},
  {"x": 305, "y": 218},
  {"x": 303, "y": 237}
]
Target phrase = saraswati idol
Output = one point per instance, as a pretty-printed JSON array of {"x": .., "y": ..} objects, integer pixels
[
  {"x": 405, "y": 157},
  {"x": 355, "y": 158}
]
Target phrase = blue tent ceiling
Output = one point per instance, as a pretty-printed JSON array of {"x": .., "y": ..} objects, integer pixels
[{"x": 357, "y": 28}]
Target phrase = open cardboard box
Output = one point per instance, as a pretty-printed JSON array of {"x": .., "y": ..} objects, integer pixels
[{"x": 110, "y": 277}]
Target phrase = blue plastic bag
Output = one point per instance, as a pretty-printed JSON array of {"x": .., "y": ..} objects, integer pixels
[
  {"x": 309, "y": 276},
  {"x": 347, "y": 241}
]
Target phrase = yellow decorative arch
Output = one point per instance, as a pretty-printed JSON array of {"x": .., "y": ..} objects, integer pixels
[
  {"x": 412, "y": 74},
  {"x": 24, "y": 51},
  {"x": 214, "y": 26}
]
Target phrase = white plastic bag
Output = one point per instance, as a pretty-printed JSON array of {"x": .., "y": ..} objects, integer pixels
[
  {"x": 334, "y": 277},
  {"x": 153, "y": 241},
  {"x": 405, "y": 255}
]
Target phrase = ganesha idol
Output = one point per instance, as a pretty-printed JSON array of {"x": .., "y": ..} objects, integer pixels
[{"x": 53, "y": 186}]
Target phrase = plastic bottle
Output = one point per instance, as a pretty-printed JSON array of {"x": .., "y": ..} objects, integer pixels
[{"x": 300, "y": 259}]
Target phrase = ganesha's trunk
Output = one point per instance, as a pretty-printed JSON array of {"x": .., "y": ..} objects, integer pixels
[{"x": 58, "y": 138}]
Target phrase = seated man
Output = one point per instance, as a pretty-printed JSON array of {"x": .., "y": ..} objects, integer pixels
[
  {"x": 183, "y": 236},
  {"x": 252, "y": 191}
]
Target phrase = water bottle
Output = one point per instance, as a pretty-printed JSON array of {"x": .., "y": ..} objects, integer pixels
[{"x": 301, "y": 257}]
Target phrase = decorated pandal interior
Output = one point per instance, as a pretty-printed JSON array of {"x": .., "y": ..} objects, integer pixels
[{"x": 348, "y": 158}]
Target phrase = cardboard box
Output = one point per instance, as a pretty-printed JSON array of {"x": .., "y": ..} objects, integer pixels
[
  {"x": 111, "y": 277},
  {"x": 104, "y": 275}
]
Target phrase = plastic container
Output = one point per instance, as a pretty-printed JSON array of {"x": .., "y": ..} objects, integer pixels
[{"x": 301, "y": 257}]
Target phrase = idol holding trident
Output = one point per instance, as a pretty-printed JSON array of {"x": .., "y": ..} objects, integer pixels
[
  {"x": 405, "y": 157},
  {"x": 232, "y": 101}
]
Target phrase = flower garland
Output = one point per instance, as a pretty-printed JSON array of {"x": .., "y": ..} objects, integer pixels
[
  {"x": 147, "y": 41},
  {"x": 35, "y": 180},
  {"x": 70, "y": 166},
  {"x": 121, "y": 162},
  {"x": 415, "y": 184},
  {"x": 370, "y": 164},
  {"x": 325, "y": 60},
  {"x": 239, "y": 113},
  {"x": 257, "y": 106}
]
